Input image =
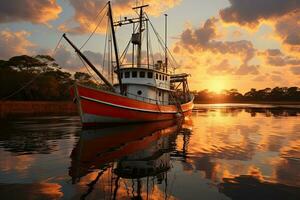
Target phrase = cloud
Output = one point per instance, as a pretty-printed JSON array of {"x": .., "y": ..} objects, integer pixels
[
  {"x": 283, "y": 15},
  {"x": 224, "y": 67},
  {"x": 203, "y": 39},
  {"x": 277, "y": 78},
  {"x": 86, "y": 12},
  {"x": 275, "y": 57},
  {"x": 288, "y": 29},
  {"x": 295, "y": 70},
  {"x": 68, "y": 60},
  {"x": 251, "y": 12},
  {"x": 202, "y": 35},
  {"x": 261, "y": 78},
  {"x": 246, "y": 69},
  {"x": 35, "y": 11},
  {"x": 14, "y": 43},
  {"x": 236, "y": 34}
]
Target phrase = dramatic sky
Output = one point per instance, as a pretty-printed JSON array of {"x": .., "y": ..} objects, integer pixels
[{"x": 223, "y": 44}]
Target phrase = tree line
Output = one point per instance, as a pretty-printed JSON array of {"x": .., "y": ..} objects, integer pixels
[
  {"x": 264, "y": 95},
  {"x": 45, "y": 79}
]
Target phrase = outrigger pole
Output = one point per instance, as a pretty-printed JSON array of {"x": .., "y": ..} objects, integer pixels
[
  {"x": 115, "y": 47},
  {"x": 89, "y": 63}
]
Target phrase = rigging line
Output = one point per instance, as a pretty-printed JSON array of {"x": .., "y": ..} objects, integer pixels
[
  {"x": 95, "y": 27},
  {"x": 126, "y": 49},
  {"x": 161, "y": 43},
  {"x": 122, "y": 58},
  {"x": 161, "y": 47},
  {"x": 33, "y": 79},
  {"x": 88, "y": 70},
  {"x": 151, "y": 50},
  {"x": 158, "y": 39},
  {"x": 105, "y": 44}
]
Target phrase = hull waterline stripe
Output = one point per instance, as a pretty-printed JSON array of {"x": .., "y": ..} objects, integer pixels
[{"x": 125, "y": 107}]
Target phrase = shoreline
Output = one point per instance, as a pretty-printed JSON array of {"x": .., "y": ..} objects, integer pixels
[
  {"x": 9, "y": 109},
  {"x": 251, "y": 102},
  {"x": 36, "y": 108}
]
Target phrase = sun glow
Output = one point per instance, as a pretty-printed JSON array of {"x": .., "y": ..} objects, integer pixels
[{"x": 217, "y": 85}]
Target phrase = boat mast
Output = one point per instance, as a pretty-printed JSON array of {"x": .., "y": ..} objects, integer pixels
[
  {"x": 115, "y": 47},
  {"x": 139, "y": 53},
  {"x": 89, "y": 63}
]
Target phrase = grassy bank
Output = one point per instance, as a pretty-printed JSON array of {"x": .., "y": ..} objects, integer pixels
[{"x": 36, "y": 108}]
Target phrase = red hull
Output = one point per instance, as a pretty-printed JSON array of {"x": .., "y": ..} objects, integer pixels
[{"x": 101, "y": 107}]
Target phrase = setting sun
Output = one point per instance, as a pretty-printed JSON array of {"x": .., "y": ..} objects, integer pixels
[{"x": 217, "y": 85}]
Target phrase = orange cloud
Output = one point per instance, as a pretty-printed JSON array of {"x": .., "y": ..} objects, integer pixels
[
  {"x": 275, "y": 57},
  {"x": 86, "y": 12},
  {"x": 201, "y": 44},
  {"x": 14, "y": 43},
  {"x": 34, "y": 11}
]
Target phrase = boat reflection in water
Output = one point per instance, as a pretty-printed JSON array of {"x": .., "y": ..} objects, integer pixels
[{"x": 138, "y": 154}]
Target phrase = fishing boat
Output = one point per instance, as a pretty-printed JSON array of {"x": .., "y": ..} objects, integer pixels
[{"x": 146, "y": 90}]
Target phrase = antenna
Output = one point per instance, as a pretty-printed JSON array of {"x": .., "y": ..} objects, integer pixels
[
  {"x": 166, "y": 42},
  {"x": 139, "y": 53}
]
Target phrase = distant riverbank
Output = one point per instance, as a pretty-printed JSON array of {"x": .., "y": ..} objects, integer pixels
[
  {"x": 250, "y": 102},
  {"x": 36, "y": 108}
]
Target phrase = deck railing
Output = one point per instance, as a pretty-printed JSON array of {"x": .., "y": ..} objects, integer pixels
[
  {"x": 172, "y": 101},
  {"x": 147, "y": 100}
]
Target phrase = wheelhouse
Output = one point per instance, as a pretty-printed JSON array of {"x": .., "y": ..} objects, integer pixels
[{"x": 146, "y": 84}]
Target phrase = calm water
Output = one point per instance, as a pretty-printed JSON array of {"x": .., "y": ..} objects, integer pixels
[{"x": 220, "y": 152}]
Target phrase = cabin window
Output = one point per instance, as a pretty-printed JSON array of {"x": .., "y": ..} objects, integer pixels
[
  {"x": 160, "y": 77},
  {"x": 150, "y": 75},
  {"x": 159, "y": 93},
  {"x": 121, "y": 74},
  {"x": 163, "y": 77},
  {"x": 156, "y": 76},
  {"x": 127, "y": 74},
  {"x": 142, "y": 74},
  {"x": 139, "y": 92},
  {"x": 134, "y": 74}
]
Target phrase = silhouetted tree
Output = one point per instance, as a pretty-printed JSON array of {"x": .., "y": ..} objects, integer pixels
[{"x": 267, "y": 94}]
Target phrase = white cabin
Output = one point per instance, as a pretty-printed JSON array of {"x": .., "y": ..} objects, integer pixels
[{"x": 148, "y": 85}]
